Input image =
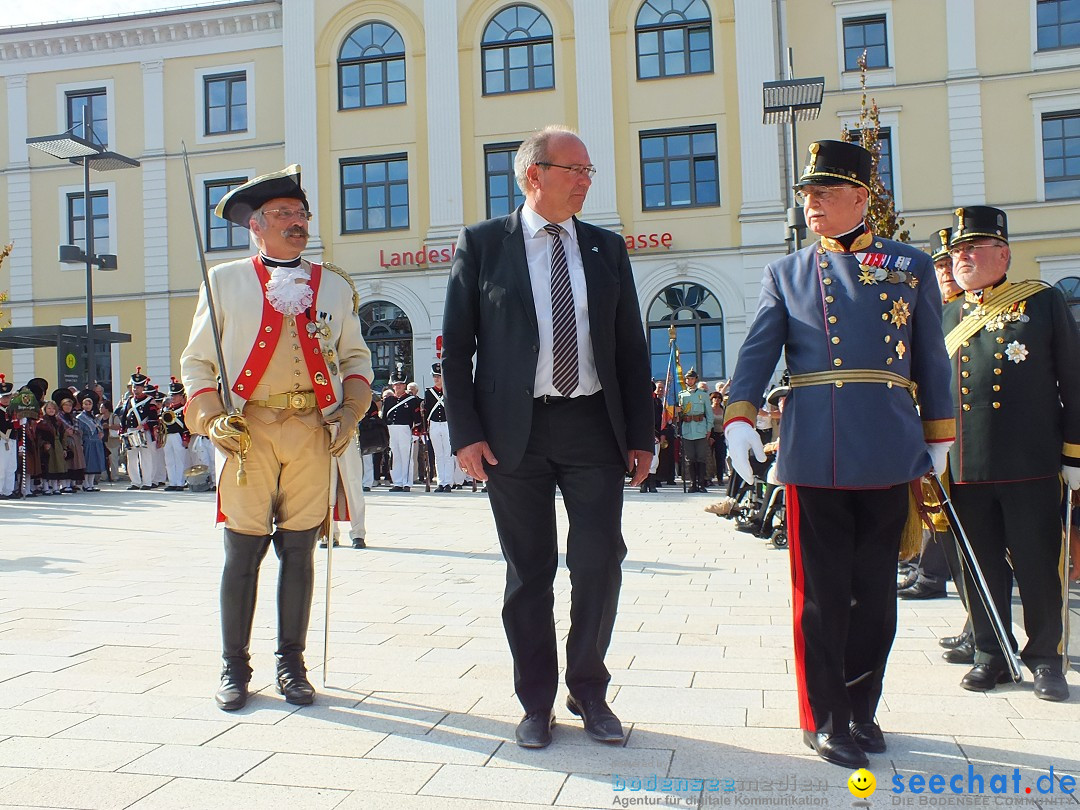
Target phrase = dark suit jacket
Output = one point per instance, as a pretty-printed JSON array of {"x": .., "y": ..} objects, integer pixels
[{"x": 490, "y": 313}]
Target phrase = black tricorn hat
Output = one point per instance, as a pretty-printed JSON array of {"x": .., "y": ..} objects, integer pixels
[
  {"x": 436, "y": 368},
  {"x": 836, "y": 163},
  {"x": 978, "y": 222},
  {"x": 239, "y": 204},
  {"x": 5, "y": 387},
  {"x": 939, "y": 243},
  {"x": 176, "y": 387}
]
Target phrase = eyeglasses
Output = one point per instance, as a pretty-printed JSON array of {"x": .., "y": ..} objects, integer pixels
[
  {"x": 823, "y": 194},
  {"x": 285, "y": 214},
  {"x": 584, "y": 171},
  {"x": 960, "y": 250}
]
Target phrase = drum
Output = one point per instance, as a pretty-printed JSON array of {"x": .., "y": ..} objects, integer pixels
[
  {"x": 132, "y": 439},
  {"x": 198, "y": 478}
]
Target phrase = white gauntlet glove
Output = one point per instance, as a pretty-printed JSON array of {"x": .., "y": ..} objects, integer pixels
[
  {"x": 742, "y": 438},
  {"x": 939, "y": 457},
  {"x": 1071, "y": 476}
]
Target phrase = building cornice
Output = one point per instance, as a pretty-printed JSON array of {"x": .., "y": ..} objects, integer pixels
[{"x": 114, "y": 35}]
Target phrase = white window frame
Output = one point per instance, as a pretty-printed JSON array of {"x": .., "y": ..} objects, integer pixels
[
  {"x": 851, "y": 9},
  {"x": 888, "y": 118},
  {"x": 1048, "y": 60},
  {"x": 200, "y": 181},
  {"x": 248, "y": 69},
  {"x": 1042, "y": 103},
  {"x": 1053, "y": 269},
  {"x": 62, "y": 91},
  {"x": 62, "y": 207}
]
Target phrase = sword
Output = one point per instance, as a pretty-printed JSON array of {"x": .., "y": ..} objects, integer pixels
[
  {"x": 1065, "y": 582},
  {"x": 332, "y": 427},
  {"x": 967, "y": 554},
  {"x": 236, "y": 418}
]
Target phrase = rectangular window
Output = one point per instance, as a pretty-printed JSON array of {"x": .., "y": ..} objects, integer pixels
[
  {"x": 220, "y": 233},
  {"x": 1057, "y": 24},
  {"x": 885, "y": 158},
  {"x": 99, "y": 216},
  {"x": 87, "y": 115},
  {"x": 865, "y": 34},
  {"x": 225, "y": 102},
  {"x": 1061, "y": 154},
  {"x": 374, "y": 194},
  {"x": 503, "y": 194},
  {"x": 679, "y": 168}
]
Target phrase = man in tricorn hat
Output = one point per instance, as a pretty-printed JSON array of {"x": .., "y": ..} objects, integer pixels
[
  {"x": 695, "y": 422},
  {"x": 859, "y": 318},
  {"x": 1015, "y": 355},
  {"x": 296, "y": 362}
]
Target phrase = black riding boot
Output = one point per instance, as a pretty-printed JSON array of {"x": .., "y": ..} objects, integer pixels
[
  {"x": 296, "y": 583},
  {"x": 239, "y": 583},
  {"x": 700, "y": 478}
]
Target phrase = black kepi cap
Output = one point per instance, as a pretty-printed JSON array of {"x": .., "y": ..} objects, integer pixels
[
  {"x": 939, "y": 243},
  {"x": 836, "y": 163},
  {"x": 978, "y": 222},
  {"x": 239, "y": 204},
  {"x": 436, "y": 368}
]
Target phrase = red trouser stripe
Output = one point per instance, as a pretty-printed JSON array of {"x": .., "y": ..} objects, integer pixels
[{"x": 798, "y": 598}]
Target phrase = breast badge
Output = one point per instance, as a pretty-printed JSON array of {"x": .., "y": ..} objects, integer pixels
[{"x": 1017, "y": 352}]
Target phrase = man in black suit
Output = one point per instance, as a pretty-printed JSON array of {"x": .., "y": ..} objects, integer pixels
[{"x": 560, "y": 397}]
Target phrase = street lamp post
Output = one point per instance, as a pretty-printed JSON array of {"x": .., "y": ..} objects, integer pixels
[
  {"x": 68, "y": 146},
  {"x": 786, "y": 102}
]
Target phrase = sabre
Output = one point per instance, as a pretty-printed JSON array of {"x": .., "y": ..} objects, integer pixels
[
  {"x": 972, "y": 565},
  {"x": 332, "y": 427},
  {"x": 1065, "y": 580},
  {"x": 226, "y": 392}
]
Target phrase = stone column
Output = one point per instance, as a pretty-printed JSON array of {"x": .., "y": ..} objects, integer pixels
[
  {"x": 20, "y": 263},
  {"x": 159, "y": 362},
  {"x": 965, "y": 105},
  {"x": 301, "y": 109},
  {"x": 445, "y": 209}
]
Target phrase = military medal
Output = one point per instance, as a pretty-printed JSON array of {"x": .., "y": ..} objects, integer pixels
[
  {"x": 900, "y": 312},
  {"x": 1017, "y": 352},
  {"x": 882, "y": 267},
  {"x": 900, "y": 349}
]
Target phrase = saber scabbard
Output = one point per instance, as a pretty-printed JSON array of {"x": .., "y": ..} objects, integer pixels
[{"x": 1065, "y": 580}]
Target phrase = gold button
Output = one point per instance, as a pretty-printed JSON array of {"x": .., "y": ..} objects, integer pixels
[
  {"x": 269, "y": 329},
  {"x": 239, "y": 388},
  {"x": 823, "y": 265},
  {"x": 296, "y": 347},
  {"x": 884, "y": 296},
  {"x": 315, "y": 350},
  {"x": 964, "y": 391},
  {"x": 829, "y": 299},
  {"x": 296, "y": 386},
  {"x": 293, "y": 334},
  {"x": 967, "y": 306},
  {"x": 827, "y": 281},
  {"x": 839, "y": 383},
  {"x": 262, "y": 344},
  {"x": 966, "y": 407},
  {"x": 884, "y": 316},
  {"x": 888, "y": 338},
  {"x": 247, "y": 372},
  {"x": 888, "y": 361},
  {"x": 835, "y": 339},
  {"x": 296, "y": 359},
  {"x": 965, "y": 374},
  {"x": 997, "y": 404},
  {"x": 998, "y": 355},
  {"x": 888, "y": 384},
  {"x": 966, "y": 343},
  {"x": 997, "y": 370},
  {"x": 297, "y": 373},
  {"x": 1001, "y": 340},
  {"x": 878, "y": 244},
  {"x": 964, "y": 358},
  {"x": 328, "y": 398},
  {"x": 832, "y": 319},
  {"x": 838, "y": 362},
  {"x": 997, "y": 387}
]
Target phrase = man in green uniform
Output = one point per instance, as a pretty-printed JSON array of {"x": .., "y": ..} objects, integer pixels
[
  {"x": 696, "y": 420},
  {"x": 1015, "y": 353}
]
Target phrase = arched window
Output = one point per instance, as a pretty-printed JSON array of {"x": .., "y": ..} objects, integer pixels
[
  {"x": 518, "y": 52},
  {"x": 674, "y": 38},
  {"x": 388, "y": 334},
  {"x": 1070, "y": 286},
  {"x": 371, "y": 68},
  {"x": 698, "y": 319}
]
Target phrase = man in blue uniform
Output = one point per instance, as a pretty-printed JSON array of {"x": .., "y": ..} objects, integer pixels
[
  {"x": 859, "y": 318},
  {"x": 1015, "y": 355},
  {"x": 695, "y": 422}
]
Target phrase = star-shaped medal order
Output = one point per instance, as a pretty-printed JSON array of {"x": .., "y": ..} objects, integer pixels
[
  {"x": 900, "y": 312},
  {"x": 900, "y": 349},
  {"x": 1017, "y": 352},
  {"x": 866, "y": 275}
]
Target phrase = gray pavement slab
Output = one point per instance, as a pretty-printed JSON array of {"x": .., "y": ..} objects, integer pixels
[{"x": 108, "y": 663}]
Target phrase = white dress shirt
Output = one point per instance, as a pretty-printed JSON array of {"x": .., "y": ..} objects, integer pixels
[{"x": 538, "y": 254}]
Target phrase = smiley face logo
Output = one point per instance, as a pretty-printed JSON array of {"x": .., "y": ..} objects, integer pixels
[{"x": 862, "y": 783}]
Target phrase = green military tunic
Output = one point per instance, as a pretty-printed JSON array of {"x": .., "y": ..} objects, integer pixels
[{"x": 696, "y": 416}]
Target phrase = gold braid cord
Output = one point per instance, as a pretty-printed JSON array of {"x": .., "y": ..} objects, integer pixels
[
  {"x": 233, "y": 426},
  {"x": 333, "y": 268}
]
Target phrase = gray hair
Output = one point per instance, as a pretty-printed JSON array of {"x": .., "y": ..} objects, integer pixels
[{"x": 534, "y": 149}]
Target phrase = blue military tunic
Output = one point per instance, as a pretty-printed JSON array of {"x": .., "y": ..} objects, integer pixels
[
  {"x": 875, "y": 309},
  {"x": 695, "y": 403}
]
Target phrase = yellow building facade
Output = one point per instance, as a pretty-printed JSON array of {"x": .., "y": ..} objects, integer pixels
[{"x": 405, "y": 115}]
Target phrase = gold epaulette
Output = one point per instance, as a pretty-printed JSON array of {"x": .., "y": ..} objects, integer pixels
[{"x": 333, "y": 268}]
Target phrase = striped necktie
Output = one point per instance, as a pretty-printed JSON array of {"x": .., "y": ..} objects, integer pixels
[{"x": 564, "y": 349}]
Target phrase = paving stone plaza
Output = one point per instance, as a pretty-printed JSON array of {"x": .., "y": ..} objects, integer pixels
[{"x": 109, "y": 646}]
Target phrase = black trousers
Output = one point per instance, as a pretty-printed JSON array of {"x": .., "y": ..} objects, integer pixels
[
  {"x": 1022, "y": 518},
  {"x": 844, "y": 545},
  {"x": 572, "y": 447}
]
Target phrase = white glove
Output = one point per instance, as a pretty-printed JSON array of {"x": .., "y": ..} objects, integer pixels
[
  {"x": 741, "y": 439},
  {"x": 939, "y": 456},
  {"x": 1071, "y": 476}
]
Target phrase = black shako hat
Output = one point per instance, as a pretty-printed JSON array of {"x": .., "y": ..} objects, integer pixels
[
  {"x": 436, "y": 368},
  {"x": 5, "y": 387},
  {"x": 979, "y": 222},
  {"x": 398, "y": 376},
  {"x": 836, "y": 163},
  {"x": 138, "y": 378},
  {"x": 939, "y": 243},
  {"x": 175, "y": 387},
  {"x": 239, "y": 204}
]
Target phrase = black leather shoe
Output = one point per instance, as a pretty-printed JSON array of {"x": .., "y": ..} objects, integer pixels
[
  {"x": 983, "y": 678},
  {"x": 1050, "y": 684},
  {"x": 839, "y": 749},
  {"x": 908, "y": 581},
  {"x": 868, "y": 737},
  {"x": 233, "y": 692},
  {"x": 920, "y": 590},
  {"x": 358, "y": 542},
  {"x": 950, "y": 642},
  {"x": 397, "y": 489},
  {"x": 294, "y": 685},
  {"x": 600, "y": 721},
  {"x": 963, "y": 653},
  {"x": 534, "y": 730}
]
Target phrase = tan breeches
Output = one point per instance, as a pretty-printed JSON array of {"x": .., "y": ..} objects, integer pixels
[{"x": 288, "y": 474}]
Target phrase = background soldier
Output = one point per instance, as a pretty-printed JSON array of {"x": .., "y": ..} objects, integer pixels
[
  {"x": 1016, "y": 385},
  {"x": 138, "y": 416},
  {"x": 401, "y": 413},
  {"x": 297, "y": 362},
  {"x": 695, "y": 422},
  {"x": 439, "y": 431},
  {"x": 177, "y": 437}
]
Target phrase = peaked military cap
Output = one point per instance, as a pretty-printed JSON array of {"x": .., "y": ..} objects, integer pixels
[
  {"x": 5, "y": 387},
  {"x": 176, "y": 387},
  {"x": 138, "y": 378},
  {"x": 978, "y": 222},
  {"x": 239, "y": 204},
  {"x": 436, "y": 368},
  {"x": 836, "y": 163},
  {"x": 939, "y": 243}
]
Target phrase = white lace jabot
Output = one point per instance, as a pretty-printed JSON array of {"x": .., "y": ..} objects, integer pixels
[{"x": 289, "y": 290}]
